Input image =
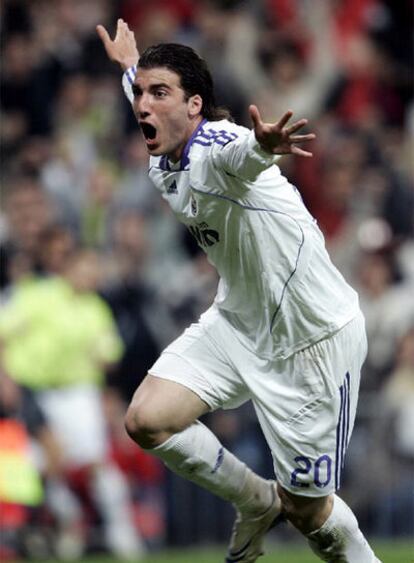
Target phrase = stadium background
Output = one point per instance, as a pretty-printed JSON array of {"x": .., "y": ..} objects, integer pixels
[{"x": 73, "y": 183}]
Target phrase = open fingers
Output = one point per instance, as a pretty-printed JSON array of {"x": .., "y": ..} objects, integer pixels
[
  {"x": 283, "y": 120},
  {"x": 297, "y": 150},
  {"x": 128, "y": 33},
  {"x": 123, "y": 26},
  {"x": 104, "y": 35},
  {"x": 120, "y": 29},
  {"x": 255, "y": 116},
  {"x": 302, "y": 138},
  {"x": 296, "y": 126}
]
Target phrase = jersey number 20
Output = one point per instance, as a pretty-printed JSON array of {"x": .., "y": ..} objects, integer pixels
[{"x": 322, "y": 471}]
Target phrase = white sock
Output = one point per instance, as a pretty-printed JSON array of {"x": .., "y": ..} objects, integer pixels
[
  {"x": 196, "y": 454},
  {"x": 340, "y": 540}
]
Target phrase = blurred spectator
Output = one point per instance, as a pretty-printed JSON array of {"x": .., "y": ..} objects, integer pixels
[
  {"x": 28, "y": 211},
  {"x": 395, "y": 510},
  {"x": 133, "y": 302},
  {"x": 56, "y": 246},
  {"x": 299, "y": 62},
  {"x": 365, "y": 95},
  {"x": 23, "y": 430},
  {"x": 221, "y": 32},
  {"x": 96, "y": 209},
  {"x": 59, "y": 339},
  {"x": 135, "y": 188},
  {"x": 24, "y": 110},
  {"x": 399, "y": 398},
  {"x": 388, "y": 306}
]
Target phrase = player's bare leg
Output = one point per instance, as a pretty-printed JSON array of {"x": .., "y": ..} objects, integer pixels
[
  {"x": 162, "y": 418},
  {"x": 330, "y": 527}
]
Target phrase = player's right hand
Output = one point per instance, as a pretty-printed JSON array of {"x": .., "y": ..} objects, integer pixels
[{"x": 123, "y": 49}]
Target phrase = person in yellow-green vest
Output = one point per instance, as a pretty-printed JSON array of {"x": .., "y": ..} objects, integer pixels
[{"x": 58, "y": 337}]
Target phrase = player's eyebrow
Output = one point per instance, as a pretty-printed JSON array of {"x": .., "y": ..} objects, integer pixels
[
  {"x": 137, "y": 91},
  {"x": 159, "y": 85}
]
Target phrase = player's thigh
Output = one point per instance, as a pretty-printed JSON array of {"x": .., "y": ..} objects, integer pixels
[
  {"x": 163, "y": 405},
  {"x": 193, "y": 375},
  {"x": 307, "y": 411}
]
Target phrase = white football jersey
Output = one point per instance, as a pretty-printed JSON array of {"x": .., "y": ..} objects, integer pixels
[{"x": 278, "y": 287}]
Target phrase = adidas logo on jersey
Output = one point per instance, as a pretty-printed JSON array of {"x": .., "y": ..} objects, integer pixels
[{"x": 172, "y": 188}]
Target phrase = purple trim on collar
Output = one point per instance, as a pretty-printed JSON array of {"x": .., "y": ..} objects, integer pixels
[
  {"x": 164, "y": 163},
  {"x": 185, "y": 159}
]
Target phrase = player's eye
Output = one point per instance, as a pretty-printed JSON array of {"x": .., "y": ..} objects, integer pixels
[
  {"x": 136, "y": 91},
  {"x": 160, "y": 93}
]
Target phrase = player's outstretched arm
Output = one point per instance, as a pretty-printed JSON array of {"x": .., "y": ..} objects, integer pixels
[
  {"x": 278, "y": 138},
  {"x": 123, "y": 48}
]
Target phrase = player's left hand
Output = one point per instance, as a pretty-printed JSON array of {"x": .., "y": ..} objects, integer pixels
[{"x": 278, "y": 138}]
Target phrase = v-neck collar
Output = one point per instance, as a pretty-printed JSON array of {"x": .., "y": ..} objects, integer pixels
[{"x": 166, "y": 164}]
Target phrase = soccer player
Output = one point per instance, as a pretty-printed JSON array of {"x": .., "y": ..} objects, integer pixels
[{"x": 285, "y": 329}]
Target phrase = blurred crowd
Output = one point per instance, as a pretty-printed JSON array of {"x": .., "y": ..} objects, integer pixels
[{"x": 96, "y": 276}]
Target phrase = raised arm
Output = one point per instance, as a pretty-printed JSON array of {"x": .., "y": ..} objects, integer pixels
[
  {"x": 250, "y": 154},
  {"x": 123, "y": 48}
]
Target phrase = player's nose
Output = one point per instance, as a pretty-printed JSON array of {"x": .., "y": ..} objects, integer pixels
[{"x": 143, "y": 106}]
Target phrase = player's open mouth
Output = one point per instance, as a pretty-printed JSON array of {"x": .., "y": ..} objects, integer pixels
[{"x": 149, "y": 132}]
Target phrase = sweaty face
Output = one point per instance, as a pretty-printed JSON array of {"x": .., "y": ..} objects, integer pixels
[{"x": 166, "y": 118}]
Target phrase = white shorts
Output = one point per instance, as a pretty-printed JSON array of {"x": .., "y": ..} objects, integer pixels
[
  {"x": 75, "y": 415},
  {"x": 305, "y": 404}
]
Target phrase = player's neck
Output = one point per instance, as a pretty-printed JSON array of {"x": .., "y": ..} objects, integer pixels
[{"x": 177, "y": 154}]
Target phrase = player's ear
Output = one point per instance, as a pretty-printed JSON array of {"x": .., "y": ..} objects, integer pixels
[{"x": 195, "y": 104}]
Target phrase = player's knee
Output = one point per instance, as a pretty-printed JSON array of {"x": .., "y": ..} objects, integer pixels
[
  {"x": 142, "y": 426},
  {"x": 305, "y": 513}
]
